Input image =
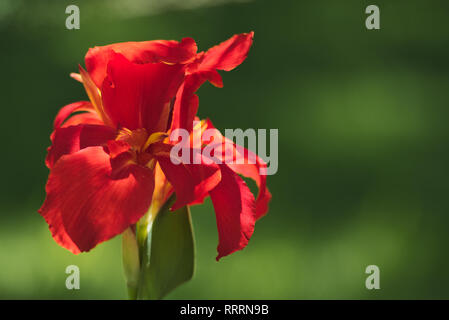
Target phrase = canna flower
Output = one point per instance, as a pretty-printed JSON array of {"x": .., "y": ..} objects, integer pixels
[{"x": 109, "y": 158}]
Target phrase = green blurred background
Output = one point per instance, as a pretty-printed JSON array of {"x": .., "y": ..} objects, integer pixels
[{"x": 363, "y": 144}]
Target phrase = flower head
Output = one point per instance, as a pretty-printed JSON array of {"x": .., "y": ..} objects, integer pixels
[{"x": 110, "y": 156}]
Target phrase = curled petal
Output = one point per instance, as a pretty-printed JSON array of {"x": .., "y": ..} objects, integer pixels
[
  {"x": 191, "y": 182},
  {"x": 234, "y": 210},
  {"x": 85, "y": 205},
  {"x": 253, "y": 171},
  {"x": 169, "y": 52},
  {"x": 134, "y": 95},
  {"x": 74, "y": 138},
  {"x": 186, "y": 103},
  {"x": 83, "y": 118},
  {"x": 256, "y": 171},
  {"x": 228, "y": 54},
  {"x": 66, "y": 111},
  {"x": 225, "y": 56},
  {"x": 244, "y": 162}
]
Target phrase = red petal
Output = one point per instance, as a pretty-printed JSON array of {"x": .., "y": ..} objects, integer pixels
[
  {"x": 134, "y": 95},
  {"x": 57, "y": 229},
  {"x": 257, "y": 172},
  {"x": 253, "y": 171},
  {"x": 225, "y": 56},
  {"x": 74, "y": 138},
  {"x": 234, "y": 210},
  {"x": 117, "y": 147},
  {"x": 83, "y": 118},
  {"x": 170, "y": 52},
  {"x": 248, "y": 164},
  {"x": 66, "y": 111},
  {"x": 192, "y": 182},
  {"x": 228, "y": 54},
  {"x": 264, "y": 195},
  {"x": 186, "y": 103},
  {"x": 86, "y": 206}
]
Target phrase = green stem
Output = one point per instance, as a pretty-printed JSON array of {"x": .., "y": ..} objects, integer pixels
[
  {"x": 136, "y": 248},
  {"x": 131, "y": 263}
]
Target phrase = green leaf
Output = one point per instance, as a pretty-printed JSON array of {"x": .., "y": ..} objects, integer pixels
[{"x": 170, "y": 254}]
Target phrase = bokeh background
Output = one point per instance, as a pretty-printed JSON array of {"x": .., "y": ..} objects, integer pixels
[{"x": 363, "y": 144}]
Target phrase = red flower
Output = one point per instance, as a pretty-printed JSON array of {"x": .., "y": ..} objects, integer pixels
[{"x": 110, "y": 156}]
